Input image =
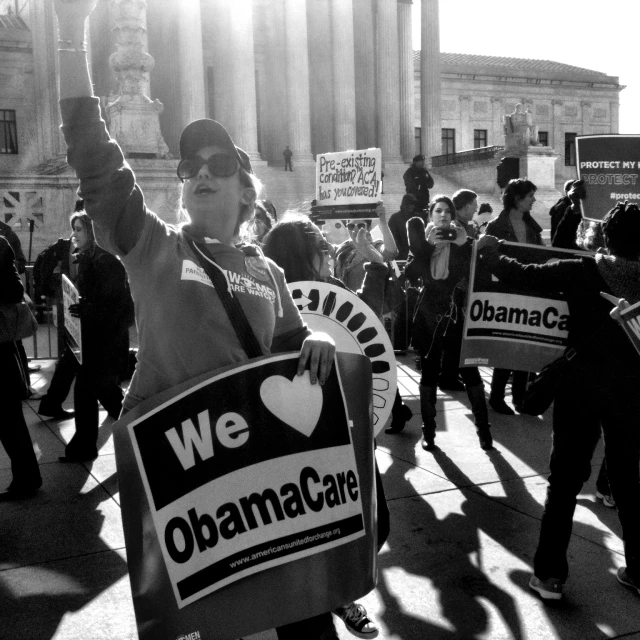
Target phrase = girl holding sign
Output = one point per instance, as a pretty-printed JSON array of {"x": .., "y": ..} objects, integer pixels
[
  {"x": 185, "y": 324},
  {"x": 442, "y": 256}
]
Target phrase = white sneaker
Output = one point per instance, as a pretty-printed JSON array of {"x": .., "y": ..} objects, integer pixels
[{"x": 550, "y": 589}]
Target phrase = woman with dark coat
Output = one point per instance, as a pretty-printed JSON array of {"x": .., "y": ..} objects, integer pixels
[
  {"x": 442, "y": 257},
  {"x": 106, "y": 311},
  {"x": 514, "y": 224},
  {"x": 14, "y": 434}
]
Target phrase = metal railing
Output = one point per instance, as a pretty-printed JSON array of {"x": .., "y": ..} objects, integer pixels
[
  {"x": 44, "y": 344},
  {"x": 465, "y": 157}
]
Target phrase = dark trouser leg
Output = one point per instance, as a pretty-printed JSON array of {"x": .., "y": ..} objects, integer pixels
[
  {"x": 15, "y": 438},
  {"x": 602, "y": 481},
  {"x": 316, "y": 628},
  {"x": 62, "y": 379},
  {"x": 25, "y": 361},
  {"x": 622, "y": 452},
  {"x": 475, "y": 392},
  {"x": 519, "y": 386},
  {"x": 110, "y": 395},
  {"x": 85, "y": 401},
  {"x": 499, "y": 383},
  {"x": 576, "y": 430}
]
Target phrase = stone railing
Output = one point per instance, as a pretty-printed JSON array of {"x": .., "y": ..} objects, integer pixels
[{"x": 465, "y": 157}]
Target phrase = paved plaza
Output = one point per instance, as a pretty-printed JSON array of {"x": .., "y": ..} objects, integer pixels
[{"x": 464, "y": 527}]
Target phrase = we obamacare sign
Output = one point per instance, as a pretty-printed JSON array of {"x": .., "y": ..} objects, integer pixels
[{"x": 244, "y": 474}]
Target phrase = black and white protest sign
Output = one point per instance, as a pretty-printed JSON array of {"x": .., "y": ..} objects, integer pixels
[
  {"x": 609, "y": 165},
  {"x": 348, "y": 177},
  {"x": 355, "y": 328},
  {"x": 72, "y": 325},
  {"x": 510, "y": 328},
  {"x": 251, "y": 471}
]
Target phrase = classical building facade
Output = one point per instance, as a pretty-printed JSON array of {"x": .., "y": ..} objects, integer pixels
[
  {"x": 477, "y": 92},
  {"x": 317, "y": 75}
]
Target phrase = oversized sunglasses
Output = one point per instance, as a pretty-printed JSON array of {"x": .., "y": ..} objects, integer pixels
[
  {"x": 221, "y": 165},
  {"x": 361, "y": 225}
]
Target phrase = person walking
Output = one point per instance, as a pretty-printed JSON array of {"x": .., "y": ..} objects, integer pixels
[{"x": 418, "y": 181}]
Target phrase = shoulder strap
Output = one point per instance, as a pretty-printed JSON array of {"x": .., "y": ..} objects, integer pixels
[{"x": 231, "y": 303}]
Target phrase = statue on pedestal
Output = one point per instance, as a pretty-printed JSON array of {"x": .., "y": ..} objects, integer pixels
[{"x": 520, "y": 131}]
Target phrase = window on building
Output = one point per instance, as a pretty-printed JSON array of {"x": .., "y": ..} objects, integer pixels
[
  {"x": 569, "y": 149},
  {"x": 543, "y": 138},
  {"x": 479, "y": 138},
  {"x": 448, "y": 142},
  {"x": 8, "y": 131},
  {"x": 418, "y": 137}
]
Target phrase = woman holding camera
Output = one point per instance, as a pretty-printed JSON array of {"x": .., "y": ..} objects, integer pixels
[{"x": 442, "y": 257}]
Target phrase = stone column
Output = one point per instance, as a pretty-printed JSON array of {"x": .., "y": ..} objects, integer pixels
[
  {"x": 586, "y": 116},
  {"x": 321, "y": 83},
  {"x": 614, "y": 115},
  {"x": 133, "y": 115},
  {"x": 466, "y": 131},
  {"x": 407, "y": 130},
  {"x": 190, "y": 61},
  {"x": 497, "y": 134},
  {"x": 364, "y": 34},
  {"x": 344, "y": 93},
  {"x": 243, "y": 123},
  {"x": 558, "y": 139},
  {"x": 45, "y": 66},
  {"x": 297, "y": 71},
  {"x": 387, "y": 80},
  {"x": 430, "y": 93}
]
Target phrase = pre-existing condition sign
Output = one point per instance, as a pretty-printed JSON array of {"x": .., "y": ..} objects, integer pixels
[
  {"x": 249, "y": 470},
  {"x": 609, "y": 165},
  {"x": 348, "y": 177}
]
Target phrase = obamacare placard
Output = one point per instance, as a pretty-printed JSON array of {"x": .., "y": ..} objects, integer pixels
[
  {"x": 248, "y": 483},
  {"x": 511, "y": 328}
]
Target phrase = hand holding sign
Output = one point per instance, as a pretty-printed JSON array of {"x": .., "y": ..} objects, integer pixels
[{"x": 318, "y": 349}]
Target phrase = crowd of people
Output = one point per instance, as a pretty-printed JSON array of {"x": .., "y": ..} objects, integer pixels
[{"x": 119, "y": 252}]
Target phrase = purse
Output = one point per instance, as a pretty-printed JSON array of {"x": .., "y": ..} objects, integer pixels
[
  {"x": 16, "y": 321},
  {"x": 542, "y": 389},
  {"x": 394, "y": 294}
]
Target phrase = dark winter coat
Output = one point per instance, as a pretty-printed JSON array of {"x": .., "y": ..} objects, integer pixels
[{"x": 418, "y": 182}]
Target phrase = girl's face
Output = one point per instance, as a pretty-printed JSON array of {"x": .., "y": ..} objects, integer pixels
[
  {"x": 80, "y": 237},
  {"x": 525, "y": 203},
  {"x": 322, "y": 260},
  {"x": 213, "y": 202},
  {"x": 441, "y": 215}
]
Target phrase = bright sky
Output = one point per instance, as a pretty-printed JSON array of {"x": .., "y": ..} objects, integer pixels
[{"x": 592, "y": 34}]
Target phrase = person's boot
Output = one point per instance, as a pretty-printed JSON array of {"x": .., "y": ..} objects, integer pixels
[
  {"x": 480, "y": 415},
  {"x": 400, "y": 415},
  {"x": 496, "y": 397},
  {"x": 428, "y": 411}
]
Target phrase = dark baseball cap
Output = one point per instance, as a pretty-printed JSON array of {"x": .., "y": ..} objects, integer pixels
[
  {"x": 418, "y": 158},
  {"x": 206, "y": 133}
]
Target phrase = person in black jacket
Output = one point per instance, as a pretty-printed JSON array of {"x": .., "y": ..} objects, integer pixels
[
  {"x": 442, "y": 259},
  {"x": 418, "y": 181},
  {"x": 14, "y": 434},
  {"x": 106, "y": 311},
  {"x": 600, "y": 387},
  {"x": 514, "y": 224}
]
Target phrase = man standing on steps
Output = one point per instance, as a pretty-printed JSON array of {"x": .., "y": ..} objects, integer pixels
[
  {"x": 418, "y": 181},
  {"x": 288, "y": 154}
]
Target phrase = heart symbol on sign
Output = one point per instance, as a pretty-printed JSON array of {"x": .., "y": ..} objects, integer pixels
[{"x": 296, "y": 402}]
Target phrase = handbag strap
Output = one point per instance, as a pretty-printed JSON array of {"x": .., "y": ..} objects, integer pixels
[{"x": 231, "y": 303}]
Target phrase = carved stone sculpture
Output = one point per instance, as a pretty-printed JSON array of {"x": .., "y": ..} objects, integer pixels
[
  {"x": 520, "y": 131},
  {"x": 132, "y": 114}
]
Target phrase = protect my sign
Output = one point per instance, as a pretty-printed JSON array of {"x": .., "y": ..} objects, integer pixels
[
  {"x": 248, "y": 480},
  {"x": 72, "y": 325},
  {"x": 610, "y": 168}
]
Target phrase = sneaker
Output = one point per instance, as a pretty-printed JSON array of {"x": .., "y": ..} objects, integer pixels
[
  {"x": 355, "y": 618},
  {"x": 550, "y": 589},
  {"x": 623, "y": 578},
  {"x": 607, "y": 499}
]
